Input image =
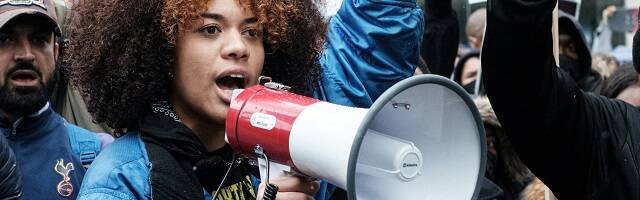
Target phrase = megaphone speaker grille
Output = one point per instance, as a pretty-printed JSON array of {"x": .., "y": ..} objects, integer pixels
[{"x": 422, "y": 139}]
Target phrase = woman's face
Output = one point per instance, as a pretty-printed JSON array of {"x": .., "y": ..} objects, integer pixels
[{"x": 222, "y": 51}]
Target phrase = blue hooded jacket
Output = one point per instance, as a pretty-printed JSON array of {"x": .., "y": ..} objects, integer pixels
[{"x": 371, "y": 45}]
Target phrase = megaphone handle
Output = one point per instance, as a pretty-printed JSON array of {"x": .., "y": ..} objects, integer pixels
[{"x": 270, "y": 192}]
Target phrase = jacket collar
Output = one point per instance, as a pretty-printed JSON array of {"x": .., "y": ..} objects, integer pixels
[
  {"x": 161, "y": 126},
  {"x": 33, "y": 121}
]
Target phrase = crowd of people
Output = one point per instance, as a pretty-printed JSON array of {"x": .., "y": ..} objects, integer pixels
[{"x": 127, "y": 99}]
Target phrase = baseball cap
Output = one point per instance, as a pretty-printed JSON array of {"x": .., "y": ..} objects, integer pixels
[{"x": 10, "y": 9}]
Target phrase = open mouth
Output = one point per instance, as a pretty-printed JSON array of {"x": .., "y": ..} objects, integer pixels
[
  {"x": 231, "y": 82},
  {"x": 24, "y": 77}
]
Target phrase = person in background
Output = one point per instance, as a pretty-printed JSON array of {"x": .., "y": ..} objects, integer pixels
[
  {"x": 624, "y": 84},
  {"x": 575, "y": 57},
  {"x": 467, "y": 71},
  {"x": 475, "y": 28},
  {"x": 603, "y": 34},
  {"x": 164, "y": 70},
  {"x": 589, "y": 142},
  {"x": 51, "y": 153},
  {"x": 605, "y": 65}
]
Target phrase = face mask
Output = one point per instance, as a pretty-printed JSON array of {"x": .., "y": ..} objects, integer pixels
[
  {"x": 470, "y": 88},
  {"x": 570, "y": 65}
]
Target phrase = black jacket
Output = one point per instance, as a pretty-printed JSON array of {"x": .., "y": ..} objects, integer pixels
[
  {"x": 10, "y": 178},
  {"x": 440, "y": 39},
  {"x": 182, "y": 166},
  {"x": 581, "y": 145}
]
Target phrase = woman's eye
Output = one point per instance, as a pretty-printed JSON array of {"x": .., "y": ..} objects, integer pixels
[
  {"x": 254, "y": 33},
  {"x": 211, "y": 30}
]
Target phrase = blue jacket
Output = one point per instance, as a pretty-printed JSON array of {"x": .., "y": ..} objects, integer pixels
[
  {"x": 371, "y": 45},
  {"x": 51, "y": 168}
]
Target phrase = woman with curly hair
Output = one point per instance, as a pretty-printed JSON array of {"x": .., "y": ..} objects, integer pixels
[{"x": 163, "y": 70}]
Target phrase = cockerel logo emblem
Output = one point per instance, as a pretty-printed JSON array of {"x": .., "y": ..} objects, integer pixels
[{"x": 64, "y": 188}]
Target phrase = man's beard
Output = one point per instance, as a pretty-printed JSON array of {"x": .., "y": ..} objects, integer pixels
[{"x": 20, "y": 101}]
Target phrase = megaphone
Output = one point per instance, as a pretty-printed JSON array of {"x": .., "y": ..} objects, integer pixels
[{"x": 422, "y": 139}]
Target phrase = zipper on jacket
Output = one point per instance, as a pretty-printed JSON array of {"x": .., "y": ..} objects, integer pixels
[{"x": 15, "y": 126}]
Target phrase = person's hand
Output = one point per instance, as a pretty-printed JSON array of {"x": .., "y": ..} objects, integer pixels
[
  {"x": 608, "y": 12},
  {"x": 291, "y": 188}
]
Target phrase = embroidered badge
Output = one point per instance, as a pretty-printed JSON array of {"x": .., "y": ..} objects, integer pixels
[
  {"x": 24, "y": 3},
  {"x": 64, "y": 188}
]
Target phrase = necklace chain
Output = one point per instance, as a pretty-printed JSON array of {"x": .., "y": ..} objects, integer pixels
[{"x": 231, "y": 164}]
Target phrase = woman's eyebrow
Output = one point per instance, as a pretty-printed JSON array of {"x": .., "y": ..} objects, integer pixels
[
  {"x": 214, "y": 16},
  {"x": 219, "y": 17}
]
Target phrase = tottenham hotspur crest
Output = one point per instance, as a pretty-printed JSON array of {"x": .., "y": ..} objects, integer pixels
[{"x": 64, "y": 188}]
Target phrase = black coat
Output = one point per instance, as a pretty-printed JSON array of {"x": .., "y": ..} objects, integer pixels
[
  {"x": 10, "y": 177},
  {"x": 440, "y": 39},
  {"x": 581, "y": 145}
]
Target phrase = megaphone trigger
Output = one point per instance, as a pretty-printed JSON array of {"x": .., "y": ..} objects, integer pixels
[
  {"x": 268, "y": 168},
  {"x": 263, "y": 164}
]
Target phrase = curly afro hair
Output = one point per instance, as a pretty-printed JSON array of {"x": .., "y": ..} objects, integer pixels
[{"x": 121, "y": 52}]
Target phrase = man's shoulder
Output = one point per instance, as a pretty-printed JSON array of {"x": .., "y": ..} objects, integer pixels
[{"x": 122, "y": 169}]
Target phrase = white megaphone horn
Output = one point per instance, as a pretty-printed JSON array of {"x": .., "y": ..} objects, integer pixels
[{"x": 422, "y": 139}]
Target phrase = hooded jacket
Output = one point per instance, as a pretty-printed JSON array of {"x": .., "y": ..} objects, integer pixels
[
  {"x": 588, "y": 79},
  {"x": 581, "y": 145},
  {"x": 164, "y": 159},
  {"x": 370, "y": 46}
]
